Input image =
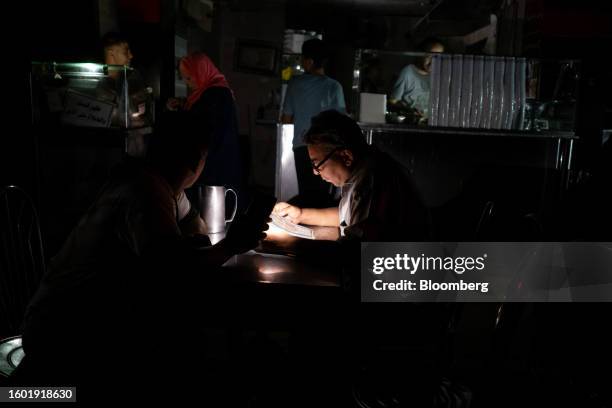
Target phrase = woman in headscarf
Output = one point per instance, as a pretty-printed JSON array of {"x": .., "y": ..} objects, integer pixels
[{"x": 211, "y": 100}]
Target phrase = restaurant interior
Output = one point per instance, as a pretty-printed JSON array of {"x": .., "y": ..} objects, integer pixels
[{"x": 513, "y": 146}]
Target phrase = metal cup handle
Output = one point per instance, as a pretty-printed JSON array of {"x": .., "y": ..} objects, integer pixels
[{"x": 235, "y": 203}]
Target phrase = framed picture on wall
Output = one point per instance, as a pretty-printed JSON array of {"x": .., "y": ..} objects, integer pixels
[{"x": 256, "y": 57}]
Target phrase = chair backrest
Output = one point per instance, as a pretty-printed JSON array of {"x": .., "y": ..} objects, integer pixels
[
  {"x": 22, "y": 261},
  {"x": 484, "y": 222}
]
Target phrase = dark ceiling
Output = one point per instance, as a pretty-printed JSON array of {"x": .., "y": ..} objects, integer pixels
[
  {"x": 435, "y": 16},
  {"x": 405, "y": 8}
]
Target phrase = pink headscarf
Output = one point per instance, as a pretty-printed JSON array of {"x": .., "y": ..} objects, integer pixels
[{"x": 204, "y": 74}]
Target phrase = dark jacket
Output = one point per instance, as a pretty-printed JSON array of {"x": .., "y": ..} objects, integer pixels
[
  {"x": 216, "y": 108},
  {"x": 384, "y": 204}
]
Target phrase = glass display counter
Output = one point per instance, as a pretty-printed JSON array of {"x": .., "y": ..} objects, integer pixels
[
  {"x": 465, "y": 91},
  {"x": 90, "y": 95}
]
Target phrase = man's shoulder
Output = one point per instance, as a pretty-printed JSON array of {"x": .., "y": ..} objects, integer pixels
[
  {"x": 300, "y": 82},
  {"x": 298, "y": 79},
  {"x": 309, "y": 79},
  {"x": 328, "y": 81},
  {"x": 136, "y": 179},
  {"x": 408, "y": 70}
]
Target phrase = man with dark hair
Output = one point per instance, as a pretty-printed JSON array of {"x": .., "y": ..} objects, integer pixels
[
  {"x": 379, "y": 202},
  {"x": 127, "y": 276},
  {"x": 412, "y": 89},
  {"x": 315, "y": 50},
  {"x": 116, "y": 49},
  {"x": 117, "y": 52},
  {"x": 308, "y": 95}
]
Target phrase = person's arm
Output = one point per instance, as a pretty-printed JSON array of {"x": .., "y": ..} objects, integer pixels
[
  {"x": 175, "y": 104},
  {"x": 401, "y": 87},
  {"x": 215, "y": 255},
  {"x": 243, "y": 235},
  {"x": 323, "y": 217},
  {"x": 339, "y": 104},
  {"x": 190, "y": 222},
  {"x": 152, "y": 232},
  {"x": 241, "y": 238}
]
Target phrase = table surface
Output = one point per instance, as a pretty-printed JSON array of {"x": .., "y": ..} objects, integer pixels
[{"x": 286, "y": 260}]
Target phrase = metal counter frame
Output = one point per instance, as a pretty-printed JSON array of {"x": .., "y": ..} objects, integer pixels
[{"x": 564, "y": 151}]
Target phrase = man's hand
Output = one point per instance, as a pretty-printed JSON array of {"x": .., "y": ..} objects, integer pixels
[
  {"x": 291, "y": 212},
  {"x": 198, "y": 241},
  {"x": 174, "y": 104},
  {"x": 244, "y": 235}
]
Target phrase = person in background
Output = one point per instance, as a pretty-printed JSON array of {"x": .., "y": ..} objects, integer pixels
[
  {"x": 116, "y": 49},
  {"x": 412, "y": 89},
  {"x": 211, "y": 102},
  {"x": 379, "y": 202},
  {"x": 308, "y": 95},
  {"x": 126, "y": 277}
]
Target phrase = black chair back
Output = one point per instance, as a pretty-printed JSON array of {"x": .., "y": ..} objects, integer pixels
[{"x": 22, "y": 261}]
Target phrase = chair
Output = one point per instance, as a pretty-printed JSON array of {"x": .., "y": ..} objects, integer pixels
[
  {"x": 22, "y": 266},
  {"x": 463, "y": 219},
  {"x": 11, "y": 354},
  {"x": 484, "y": 223},
  {"x": 406, "y": 368}
]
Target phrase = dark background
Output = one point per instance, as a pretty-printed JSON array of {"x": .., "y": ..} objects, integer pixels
[{"x": 561, "y": 352}]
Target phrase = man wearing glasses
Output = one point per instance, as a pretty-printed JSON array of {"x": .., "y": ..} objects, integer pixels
[{"x": 379, "y": 202}]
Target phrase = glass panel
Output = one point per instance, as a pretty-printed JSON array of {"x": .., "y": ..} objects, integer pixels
[
  {"x": 466, "y": 91},
  {"x": 90, "y": 95}
]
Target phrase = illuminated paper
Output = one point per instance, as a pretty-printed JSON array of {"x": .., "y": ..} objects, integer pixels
[{"x": 292, "y": 229}]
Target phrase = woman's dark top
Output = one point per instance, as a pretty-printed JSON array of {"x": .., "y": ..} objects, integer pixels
[{"x": 216, "y": 108}]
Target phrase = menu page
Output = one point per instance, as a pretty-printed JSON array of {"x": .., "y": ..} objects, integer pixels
[{"x": 296, "y": 230}]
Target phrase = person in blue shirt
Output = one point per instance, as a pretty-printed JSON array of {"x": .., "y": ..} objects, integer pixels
[
  {"x": 307, "y": 96},
  {"x": 411, "y": 89}
]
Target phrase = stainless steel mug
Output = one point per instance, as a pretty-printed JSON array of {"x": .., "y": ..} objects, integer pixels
[{"x": 212, "y": 207}]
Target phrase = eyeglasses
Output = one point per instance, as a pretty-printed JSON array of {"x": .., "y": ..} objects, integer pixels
[{"x": 317, "y": 167}]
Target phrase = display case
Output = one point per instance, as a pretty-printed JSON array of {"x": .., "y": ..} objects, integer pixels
[
  {"x": 86, "y": 118},
  {"x": 90, "y": 95},
  {"x": 467, "y": 91}
]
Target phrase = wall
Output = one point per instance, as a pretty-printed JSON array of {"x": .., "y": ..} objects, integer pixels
[
  {"x": 251, "y": 90},
  {"x": 57, "y": 34},
  {"x": 107, "y": 10},
  {"x": 510, "y": 28}
]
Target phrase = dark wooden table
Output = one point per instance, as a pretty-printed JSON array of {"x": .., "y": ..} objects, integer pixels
[
  {"x": 284, "y": 260},
  {"x": 285, "y": 282}
]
